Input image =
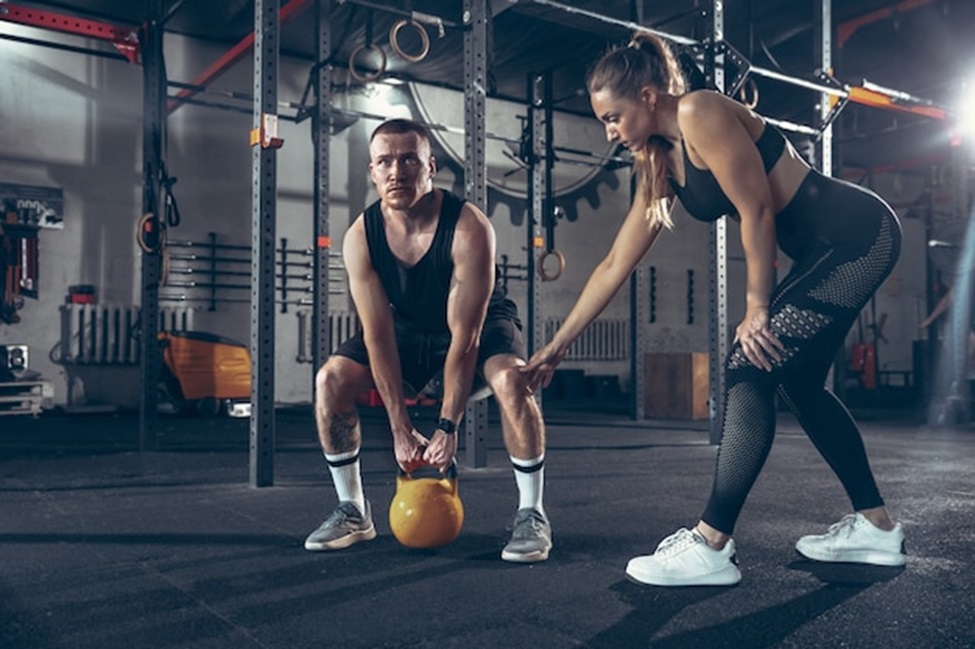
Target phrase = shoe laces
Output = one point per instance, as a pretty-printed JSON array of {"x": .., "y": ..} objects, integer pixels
[
  {"x": 527, "y": 524},
  {"x": 844, "y": 526},
  {"x": 346, "y": 512},
  {"x": 677, "y": 542}
]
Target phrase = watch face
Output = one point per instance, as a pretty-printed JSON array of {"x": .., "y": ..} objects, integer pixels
[{"x": 446, "y": 425}]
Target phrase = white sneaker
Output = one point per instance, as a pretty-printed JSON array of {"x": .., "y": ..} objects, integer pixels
[
  {"x": 685, "y": 559},
  {"x": 854, "y": 539}
]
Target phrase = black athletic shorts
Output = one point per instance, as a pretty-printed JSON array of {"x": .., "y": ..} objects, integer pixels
[{"x": 422, "y": 355}]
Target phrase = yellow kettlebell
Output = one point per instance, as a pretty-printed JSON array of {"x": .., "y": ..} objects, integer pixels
[{"x": 426, "y": 512}]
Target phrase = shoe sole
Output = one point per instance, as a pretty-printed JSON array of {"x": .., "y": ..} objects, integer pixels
[
  {"x": 869, "y": 557},
  {"x": 722, "y": 578},
  {"x": 343, "y": 542},
  {"x": 533, "y": 557}
]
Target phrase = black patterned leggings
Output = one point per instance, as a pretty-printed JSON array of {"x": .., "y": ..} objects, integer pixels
[{"x": 844, "y": 241}]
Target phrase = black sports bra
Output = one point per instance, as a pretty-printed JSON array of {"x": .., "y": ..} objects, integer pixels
[{"x": 701, "y": 195}]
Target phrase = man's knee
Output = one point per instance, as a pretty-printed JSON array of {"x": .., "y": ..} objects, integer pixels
[
  {"x": 338, "y": 381},
  {"x": 510, "y": 386}
]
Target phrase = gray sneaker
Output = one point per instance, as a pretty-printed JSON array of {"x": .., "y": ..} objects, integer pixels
[
  {"x": 531, "y": 538},
  {"x": 343, "y": 527}
]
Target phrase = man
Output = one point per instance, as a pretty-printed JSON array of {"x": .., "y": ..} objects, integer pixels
[{"x": 421, "y": 273}]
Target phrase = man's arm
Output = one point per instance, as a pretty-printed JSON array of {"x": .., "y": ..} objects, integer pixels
[
  {"x": 470, "y": 291},
  {"x": 379, "y": 335}
]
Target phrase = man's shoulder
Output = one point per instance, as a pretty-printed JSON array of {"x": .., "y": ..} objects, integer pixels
[{"x": 449, "y": 200}]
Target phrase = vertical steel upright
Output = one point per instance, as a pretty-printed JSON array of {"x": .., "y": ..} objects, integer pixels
[
  {"x": 153, "y": 127},
  {"x": 321, "y": 134},
  {"x": 824, "y": 149},
  {"x": 718, "y": 264},
  {"x": 476, "y": 20},
  {"x": 824, "y": 145},
  {"x": 263, "y": 216},
  {"x": 538, "y": 188}
]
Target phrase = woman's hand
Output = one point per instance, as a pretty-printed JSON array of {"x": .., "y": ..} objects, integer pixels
[
  {"x": 757, "y": 341},
  {"x": 542, "y": 364}
]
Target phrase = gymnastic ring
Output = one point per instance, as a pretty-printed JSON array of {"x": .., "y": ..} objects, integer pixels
[
  {"x": 364, "y": 78},
  {"x": 560, "y": 267},
  {"x": 424, "y": 38},
  {"x": 750, "y": 103},
  {"x": 145, "y": 226}
]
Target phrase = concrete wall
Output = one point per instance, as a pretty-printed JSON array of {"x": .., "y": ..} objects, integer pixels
[{"x": 74, "y": 122}]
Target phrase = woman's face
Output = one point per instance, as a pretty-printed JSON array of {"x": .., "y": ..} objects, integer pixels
[{"x": 627, "y": 121}]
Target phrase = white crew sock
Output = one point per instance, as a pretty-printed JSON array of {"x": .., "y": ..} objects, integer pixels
[
  {"x": 346, "y": 477},
  {"x": 530, "y": 478}
]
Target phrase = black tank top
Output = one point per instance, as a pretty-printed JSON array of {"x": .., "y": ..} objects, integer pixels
[
  {"x": 701, "y": 194},
  {"x": 418, "y": 294}
]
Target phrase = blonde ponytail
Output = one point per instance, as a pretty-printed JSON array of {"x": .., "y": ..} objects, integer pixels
[{"x": 624, "y": 71}]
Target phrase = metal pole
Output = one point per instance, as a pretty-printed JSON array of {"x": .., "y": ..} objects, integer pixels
[
  {"x": 153, "y": 126},
  {"x": 476, "y": 57},
  {"x": 825, "y": 26},
  {"x": 263, "y": 207},
  {"x": 626, "y": 24},
  {"x": 536, "y": 208},
  {"x": 322, "y": 133},
  {"x": 718, "y": 263},
  {"x": 824, "y": 148}
]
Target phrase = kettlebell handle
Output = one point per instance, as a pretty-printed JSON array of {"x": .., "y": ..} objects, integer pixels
[{"x": 450, "y": 474}]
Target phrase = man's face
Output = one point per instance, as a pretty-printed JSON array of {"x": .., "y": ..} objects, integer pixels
[{"x": 402, "y": 168}]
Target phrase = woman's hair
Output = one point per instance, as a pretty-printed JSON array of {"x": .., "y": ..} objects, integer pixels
[{"x": 623, "y": 72}]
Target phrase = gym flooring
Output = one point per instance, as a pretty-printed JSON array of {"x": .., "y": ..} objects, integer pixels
[{"x": 104, "y": 546}]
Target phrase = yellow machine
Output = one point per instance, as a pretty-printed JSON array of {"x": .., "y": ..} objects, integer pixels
[
  {"x": 426, "y": 512},
  {"x": 206, "y": 371}
]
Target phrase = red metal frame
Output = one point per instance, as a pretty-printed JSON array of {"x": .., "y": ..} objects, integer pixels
[
  {"x": 124, "y": 39},
  {"x": 236, "y": 53},
  {"x": 847, "y": 28}
]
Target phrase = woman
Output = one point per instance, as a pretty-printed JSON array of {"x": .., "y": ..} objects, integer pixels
[{"x": 718, "y": 157}]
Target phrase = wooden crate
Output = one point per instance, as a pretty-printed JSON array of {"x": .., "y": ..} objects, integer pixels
[
  {"x": 25, "y": 397},
  {"x": 675, "y": 386}
]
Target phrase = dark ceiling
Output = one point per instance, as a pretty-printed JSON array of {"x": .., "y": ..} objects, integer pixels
[{"x": 921, "y": 47}]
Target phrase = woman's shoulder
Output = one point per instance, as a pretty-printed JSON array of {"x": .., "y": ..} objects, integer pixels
[
  {"x": 706, "y": 110},
  {"x": 697, "y": 103}
]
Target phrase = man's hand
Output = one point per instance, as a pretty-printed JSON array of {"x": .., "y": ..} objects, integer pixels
[
  {"x": 409, "y": 450},
  {"x": 441, "y": 450}
]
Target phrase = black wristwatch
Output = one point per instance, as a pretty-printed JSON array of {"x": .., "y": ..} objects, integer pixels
[{"x": 446, "y": 426}]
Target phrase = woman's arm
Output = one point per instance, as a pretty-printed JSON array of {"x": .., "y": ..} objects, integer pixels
[
  {"x": 713, "y": 129},
  {"x": 632, "y": 242}
]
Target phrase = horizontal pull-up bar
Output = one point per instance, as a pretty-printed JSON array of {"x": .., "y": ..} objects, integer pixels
[
  {"x": 418, "y": 16},
  {"x": 625, "y": 24},
  {"x": 867, "y": 95},
  {"x": 811, "y": 85}
]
